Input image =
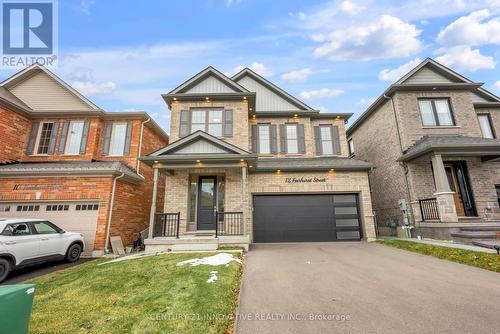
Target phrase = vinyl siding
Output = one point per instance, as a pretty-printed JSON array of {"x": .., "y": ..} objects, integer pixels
[
  {"x": 210, "y": 85},
  {"x": 267, "y": 100},
  {"x": 201, "y": 147},
  {"x": 42, "y": 93},
  {"x": 426, "y": 75}
]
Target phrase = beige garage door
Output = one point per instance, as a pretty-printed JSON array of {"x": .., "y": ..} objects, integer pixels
[{"x": 78, "y": 217}]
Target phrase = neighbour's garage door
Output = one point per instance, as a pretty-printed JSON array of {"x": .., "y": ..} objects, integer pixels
[
  {"x": 293, "y": 218},
  {"x": 78, "y": 217}
]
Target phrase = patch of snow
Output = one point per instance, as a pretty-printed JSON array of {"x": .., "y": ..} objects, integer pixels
[
  {"x": 215, "y": 260},
  {"x": 213, "y": 277}
]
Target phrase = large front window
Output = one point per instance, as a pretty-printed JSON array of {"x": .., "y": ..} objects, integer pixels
[
  {"x": 118, "y": 135},
  {"x": 209, "y": 121},
  {"x": 435, "y": 112},
  {"x": 44, "y": 138},
  {"x": 75, "y": 134}
]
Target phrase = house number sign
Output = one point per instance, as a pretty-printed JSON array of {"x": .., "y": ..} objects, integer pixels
[{"x": 304, "y": 179}]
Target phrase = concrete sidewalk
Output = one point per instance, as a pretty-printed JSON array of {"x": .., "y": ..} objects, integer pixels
[{"x": 363, "y": 288}]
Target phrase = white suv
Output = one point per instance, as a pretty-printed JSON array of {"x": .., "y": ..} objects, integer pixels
[{"x": 30, "y": 241}]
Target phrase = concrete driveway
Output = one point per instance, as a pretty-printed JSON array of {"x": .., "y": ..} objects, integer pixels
[{"x": 363, "y": 288}]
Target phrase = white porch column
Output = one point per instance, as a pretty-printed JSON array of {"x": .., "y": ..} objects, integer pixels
[
  {"x": 153, "y": 203},
  {"x": 444, "y": 195},
  {"x": 244, "y": 179}
]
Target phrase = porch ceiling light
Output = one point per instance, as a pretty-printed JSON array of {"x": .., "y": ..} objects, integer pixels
[
  {"x": 250, "y": 166},
  {"x": 295, "y": 115},
  {"x": 207, "y": 98},
  {"x": 278, "y": 171},
  {"x": 250, "y": 109},
  {"x": 175, "y": 99},
  {"x": 244, "y": 97},
  {"x": 242, "y": 160},
  {"x": 156, "y": 161},
  {"x": 198, "y": 161}
]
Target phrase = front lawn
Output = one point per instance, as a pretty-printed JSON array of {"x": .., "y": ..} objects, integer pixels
[
  {"x": 147, "y": 295},
  {"x": 489, "y": 261}
]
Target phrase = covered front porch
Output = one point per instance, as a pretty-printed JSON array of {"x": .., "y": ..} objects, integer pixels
[{"x": 206, "y": 195}]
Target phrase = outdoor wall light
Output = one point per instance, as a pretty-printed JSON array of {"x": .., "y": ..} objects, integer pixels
[{"x": 198, "y": 161}]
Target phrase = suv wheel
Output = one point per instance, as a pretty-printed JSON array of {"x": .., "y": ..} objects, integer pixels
[
  {"x": 73, "y": 253},
  {"x": 5, "y": 267}
]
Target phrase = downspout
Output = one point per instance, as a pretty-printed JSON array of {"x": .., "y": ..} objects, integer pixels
[
  {"x": 140, "y": 148},
  {"x": 402, "y": 164},
  {"x": 371, "y": 196},
  {"x": 110, "y": 215}
]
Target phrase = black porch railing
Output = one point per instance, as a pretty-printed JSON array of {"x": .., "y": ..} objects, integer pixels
[
  {"x": 167, "y": 225},
  {"x": 429, "y": 209},
  {"x": 228, "y": 223}
]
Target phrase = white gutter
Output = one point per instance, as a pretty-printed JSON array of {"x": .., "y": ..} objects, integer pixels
[
  {"x": 140, "y": 147},
  {"x": 110, "y": 216}
]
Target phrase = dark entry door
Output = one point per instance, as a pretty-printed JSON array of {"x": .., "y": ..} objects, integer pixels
[
  {"x": 460, "y": 185},
  {"x": 297, "y": 218},
  {"x": 207, "y": 201}
]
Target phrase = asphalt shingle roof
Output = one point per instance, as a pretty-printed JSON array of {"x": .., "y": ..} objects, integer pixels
[{"x": 305, "y": 164}]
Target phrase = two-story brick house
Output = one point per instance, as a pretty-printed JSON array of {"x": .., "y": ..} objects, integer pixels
[
  {"x": 432, "y": 138},
  {"x": 65, "y": 159},
  {"x": 248, "y": 162}
]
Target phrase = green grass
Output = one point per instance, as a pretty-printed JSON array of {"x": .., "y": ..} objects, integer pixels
[
  {"x": 126, "y": 297},
  {"x": 489, "y": 261}
]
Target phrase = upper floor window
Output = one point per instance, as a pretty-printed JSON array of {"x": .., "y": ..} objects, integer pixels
[
  {"x": 44, "y": 136},
  {"x": 350, "y": 145},
  {"x": 327, "y": 139},
  {"x": 292, "y": 139},
  {"x": 74, "y": 139},
  {"x": 486, "y": 126},
  {"x": 436, "y": 112},
  {"x": 217, "y": 122},
  {"x": 264, "y": 139},
  {"x": 117, "y": 139}
]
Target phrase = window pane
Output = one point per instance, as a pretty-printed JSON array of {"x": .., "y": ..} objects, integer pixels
[
  {"x": 207, "y": 192},
  {"x": 196, "y": 127},
  {"x": 198, "y": 116},
  {"x": 327, "y": 146},
  {"x": 215, "y": 116},
  {"x": 117, "y": 146},
  {"x": 44, "y": 228},
  {"x": 193, "y": 190},
  {"x": 43, "y": 142},
  {"x": 291, "y": 136},
  {"x": 326, "y": 140},
  {"x": 484, "y": 123},
  {"x": 351, "y": 147},
  {"x": 215, "y": 129},
  {"x": 426, "y": 113},
  {"x": 443, "y": 112},
  {"x": 326, "y": 133},
  {"x": 74, "y": 138},
  {"x": 264, "y": 139}
]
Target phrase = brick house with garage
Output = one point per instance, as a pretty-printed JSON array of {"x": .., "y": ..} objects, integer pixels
[
  {"x": 247, "y": 162},
  {"x": 432, "y": 137},
  {"x": 65, "y": 159}
]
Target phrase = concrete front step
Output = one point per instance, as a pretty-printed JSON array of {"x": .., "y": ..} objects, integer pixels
[
  {"x": 475, "y": 234},
  {"x": 194, "y": 243},
  {"x": 481, "y": 228}
]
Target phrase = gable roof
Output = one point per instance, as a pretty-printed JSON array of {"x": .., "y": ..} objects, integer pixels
[
  {"x": 208, "y": 72},
  {"x": 269, "y": 85},
  {"x": 35, "y": 69},
  {"x": 197, "y": 136},
  {"x": 457, "y": 81}
]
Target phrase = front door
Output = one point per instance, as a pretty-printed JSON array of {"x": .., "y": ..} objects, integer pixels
[
  {"x": 207, "y": 202},
  {"x": 459, "y": 184}
]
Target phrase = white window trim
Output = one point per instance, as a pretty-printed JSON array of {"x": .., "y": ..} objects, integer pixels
[
  {"x": 269, "y": 139},
  {"x": 350, "y": 147},
  {"x": 37, "y": 141},
  {"x": 288, "y": 140},
  {"x": 435, "y": 114},
  {"x": 206, "y": 123},
  {"x": 329, "y": 126},
  {"x": 113, "y": 127},
  {"x": 68, "y": 135},
  {"x": 489, "y": 119}
]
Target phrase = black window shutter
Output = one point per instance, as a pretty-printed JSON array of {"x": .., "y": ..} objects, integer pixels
[
  {"x": 32, "y": 138},
  {"x": 184, "y": 123},
  {"x": 336, "y": 140},
  {"x": 128, "y": 139},
  {"x": 283, "y": 146},
  {"x": 85, "y": 135},
  {"x": 64, "y": 136},
  {"x": 53, "y": 136},
  {"x": 228, "y": 123},
  {"x": 301, "y": 138},
  {"x": 255, "y": 138},
  {"x": 107, "y": 139},
  {"x": 274, "y": 139},
  {"x": 317, "y": 140}
]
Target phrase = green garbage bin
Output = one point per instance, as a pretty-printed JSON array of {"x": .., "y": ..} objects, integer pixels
[{"x": 15, "y": 308}]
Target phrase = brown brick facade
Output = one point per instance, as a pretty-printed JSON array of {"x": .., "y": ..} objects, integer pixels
[{"x": 13, "y": 135}]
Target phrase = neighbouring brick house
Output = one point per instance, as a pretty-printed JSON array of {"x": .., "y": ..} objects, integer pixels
[
  {"x": 62, "y": 158},
  {"x": 248, "y": 163},
  {"x": 432, "y": 139}
]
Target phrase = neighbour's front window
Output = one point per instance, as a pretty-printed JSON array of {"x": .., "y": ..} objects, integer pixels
[
  {"x": 435, "y": 112},
  {"x": 485, "y": 124},
  {"x": 326, "y": 139},
  {"x": 118, "y": 135},
  {"x": 292, "y": 139},
  {"x": 351, "y": 146},
  {"x": 264, "y": 139},
  {"x": 74, "y": 140},
  {"x": 44, "y": 137}
]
